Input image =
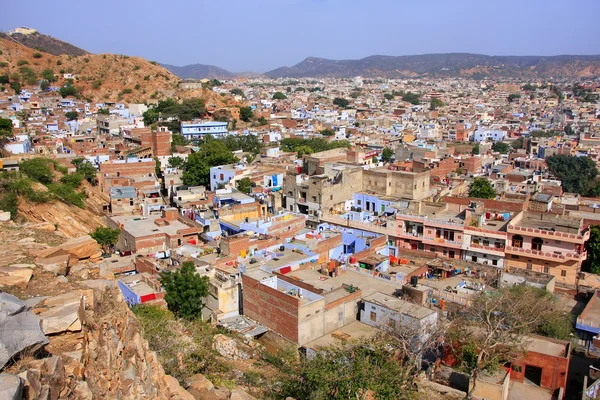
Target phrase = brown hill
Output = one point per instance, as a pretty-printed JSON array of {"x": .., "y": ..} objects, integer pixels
[
  {"x": 45, "y": 43},
  {"x": 98, "y": 77}
]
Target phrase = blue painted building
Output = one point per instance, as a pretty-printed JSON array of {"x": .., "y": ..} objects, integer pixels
[{"x": 196, "y": 129}]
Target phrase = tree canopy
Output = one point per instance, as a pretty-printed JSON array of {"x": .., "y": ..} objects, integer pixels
[
  {"x": 71, "y": 115},
  {"x": 315, "y": 144},
  {"x": 576, "y": 173},
  {"x": 106, "y": 237},
  {"x": 341, "y": 102},
  {"x": 38, "y": 169},
  {"x": 246, "y": 114},
  {"x": 185, "y": 291},
  {"x": 481, "y": 188},
  {"x": 434, "y": 104},
  {"x": 244, "y": 185},
  {"x": 175, "y": 162},
  {"x": 501, "y": 147},
  {"x": 211, "y": 153},
  {"x": 279, "y": 96},
  {"x": 187, "y": 110},
  {"x": 592, "y": 246},
  {"x": 387, "y": 154},
  {"x": 412, "y": 98}
]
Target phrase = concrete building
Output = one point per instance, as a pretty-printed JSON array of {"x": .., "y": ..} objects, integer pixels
[{"x": 194, "y": 130}]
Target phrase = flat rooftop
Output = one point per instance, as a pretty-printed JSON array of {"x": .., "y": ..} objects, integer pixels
[
  {"x": 549, "y": 222},
  {"x": 353, "y": 331},
  {"x": 138, "y": 226},
  {"x": 136, "y": 284},
  {"x": 401, "y": 306},
  {"x": 366, "y": 284},
  {"x": 549, "y": 347}
]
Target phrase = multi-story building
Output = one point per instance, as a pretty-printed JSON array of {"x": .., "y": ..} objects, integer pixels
[
  {"x": 549, "y": 243},
  {"x": 194, "y": 130}
]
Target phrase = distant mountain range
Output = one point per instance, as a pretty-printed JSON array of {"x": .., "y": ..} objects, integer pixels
[
  {"x": 199, "y": 71},
  {"x": 445, "y": 65},
  {"x": 45, "y": 43},
  {"x": 426, "y": 65}
]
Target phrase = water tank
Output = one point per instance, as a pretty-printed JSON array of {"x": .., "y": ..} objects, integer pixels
[
  {"x": 352, "y": 260},
  {"x": 281, "y": 248},
  {"x": 414, "y": 280}
]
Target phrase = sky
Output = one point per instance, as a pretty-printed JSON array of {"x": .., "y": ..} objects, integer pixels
[{"x": 260, "y": 35}]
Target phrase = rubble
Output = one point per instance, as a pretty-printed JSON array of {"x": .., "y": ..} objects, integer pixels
[
  {"x": 20, "y": 329},
  {"x": 228, "y": 348}
]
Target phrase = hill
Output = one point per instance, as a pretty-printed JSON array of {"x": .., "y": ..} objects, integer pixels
[
  {"x": 446, "y": 65},
  {"x": 99, "y": 77},
  {"x": 45, "y": 43},
  {"x": 198, "y": 71}
]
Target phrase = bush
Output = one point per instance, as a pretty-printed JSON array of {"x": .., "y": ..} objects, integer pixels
[
  {"x": 4, "y": 79},
  {"x": 37, "y": 55},
  {"x": 38, "y": 169},
  {"x": 67, "y": 194},
  {"x": 73, "y": 180},
  {"x": 185, "y": 291},
  {"x": 22, "y": 62}
]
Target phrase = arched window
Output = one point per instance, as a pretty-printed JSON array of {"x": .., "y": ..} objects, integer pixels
[
  {"x": 517, "y": 241},
  {"x": 536, "y": 243}
]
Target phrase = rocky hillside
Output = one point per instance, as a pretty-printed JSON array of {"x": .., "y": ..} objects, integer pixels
[
  {"x": 47, "y": 44},
  {"x": 446, "y": 65},
  {"x": 101, "y": 77},
  {"x": 199, "y": 71}
]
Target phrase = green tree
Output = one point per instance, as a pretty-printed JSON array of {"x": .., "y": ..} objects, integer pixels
[
  {"x": 279, "y": 96},
  {"x": 244, "y": 185},
  {"x": 246, "y": 114},
  {"x": 16, "y": 86},
  {"x": 576, "y": 173},
  {"x": 513, "y": 96},
  {"x": 44, "y": 85},
  {"x": 4, "y": 79},
  {"x": 175, "y": 162},
  {"x": 86, "y": 169},
  {"x": 71, "y": 115},
  {"x": 73, "y": 180},
  {"x": 475, "y": 150},
  {"x": 501, "y": 147},
  {"x": 37, "y": 169},
  {"x": 211, "y": 153},
  {"x": 327, "y": 132},
  {"x": 48, "y": 75},
  {"x": 341, "y": 102},
  {"x": 387, "y": 96},
  {"x": 387, "y": 154},
  {"x": 103, "y": 111},
  {"x": 68, "y": 90},
  {"x": 481, "y": 188},
  {"x": 435, "y": 104},
  {"x": 262, "y": 120},
  {"x": 185, "y": 291},
  {"x": 412, "y": 98},
  {"x": 106, "y": 237},
  {"x": 238, "y": 92},
  {"x": 302, "y": 150},
  {"x": 517, "y": 143},
  {"x": 592, "y": 246}
]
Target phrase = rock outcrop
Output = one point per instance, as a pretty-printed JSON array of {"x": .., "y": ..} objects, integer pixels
[{"x": 20, "y": 329}]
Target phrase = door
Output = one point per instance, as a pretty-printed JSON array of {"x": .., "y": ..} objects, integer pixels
[{"x": 533, "y": 375}]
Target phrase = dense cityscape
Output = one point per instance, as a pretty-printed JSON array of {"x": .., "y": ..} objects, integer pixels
[{"x": 178, "y": 233}]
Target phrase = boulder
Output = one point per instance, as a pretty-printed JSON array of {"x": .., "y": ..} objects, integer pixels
[
  {"x": 22, "y": 265},
  {"x": 199, "y": 381},
  {"x": 81, "y": 248},
  {"x": 175, "y": 390},
  {"x": 65, "y": 312},
  {"x": 20, "y": 329},
  {"x": 11, "y": 276},
  {"x": 57, "y": 264},
  {"x": 82, "y": 391},
  {"x": 11, "y": 387}
]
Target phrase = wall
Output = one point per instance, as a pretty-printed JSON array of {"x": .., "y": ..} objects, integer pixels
[
  {"x": 275, "y": 310},
  {"x": 554, "y": 368},
  {"x": 311, "y": 323}
]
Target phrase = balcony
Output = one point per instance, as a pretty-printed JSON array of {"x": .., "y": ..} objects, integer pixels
[
  {"x": 563, "y": 236},
  {"x": 442, "y": 242},
  {"x": 498, "y": 251},
  {"x": 546, "y": 255}
]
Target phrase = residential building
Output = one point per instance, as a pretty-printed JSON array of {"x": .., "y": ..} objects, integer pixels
[{"x": 194, "y": 130}]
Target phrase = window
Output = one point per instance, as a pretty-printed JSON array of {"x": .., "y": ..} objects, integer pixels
[
  {"x": 536, "y": 243},
  {"x": 373, "y": 316},
  {"x": 340, "y": 316},
  {"x": 315, "y": 198},
  {"x": 358, "y": 202},
  {"x": 546, "y": 269},
  {"x": 563, "y": 273},
  {"x": 529, "y": 266},
  {"x": 517, "y": 241},
  {"x": 495, "y": 262},
  {"x": 330, "y": 197}
]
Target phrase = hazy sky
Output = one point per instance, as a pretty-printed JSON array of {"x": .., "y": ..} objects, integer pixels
[{"x": 259, "y": 35}]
